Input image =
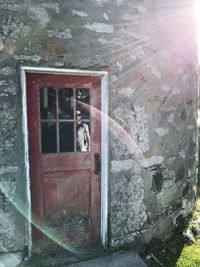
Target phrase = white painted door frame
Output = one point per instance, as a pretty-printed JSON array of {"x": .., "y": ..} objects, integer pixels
[{"x": 104, "y": 142}]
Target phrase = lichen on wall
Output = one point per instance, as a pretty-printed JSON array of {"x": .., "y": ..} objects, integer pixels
[
  {"x": 133, "y": 120},
  {"x": 10, "y": 218},
  {"x": 159, "y": 82},
  {"x": 7, "y": 120},
  {"x": 128, "y": 211}
]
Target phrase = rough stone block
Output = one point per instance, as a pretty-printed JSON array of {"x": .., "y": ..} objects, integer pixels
[{"x": 10, "y": 259}]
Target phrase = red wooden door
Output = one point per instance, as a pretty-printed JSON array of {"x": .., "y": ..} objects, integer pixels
[{"x": 65, "y": 179}]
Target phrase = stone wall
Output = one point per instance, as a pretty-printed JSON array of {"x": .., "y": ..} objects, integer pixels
[{"x": 149, "y": 50}]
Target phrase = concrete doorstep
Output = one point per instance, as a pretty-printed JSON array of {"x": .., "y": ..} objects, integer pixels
[{"x": 119, "y": 259}]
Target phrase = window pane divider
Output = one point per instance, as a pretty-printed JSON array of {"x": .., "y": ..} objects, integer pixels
[
  {"x": 57, "y": 122},
  {"x": 74, "y": 96}
]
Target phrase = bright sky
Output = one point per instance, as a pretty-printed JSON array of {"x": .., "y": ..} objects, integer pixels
[{"x": 197, "y": 15}]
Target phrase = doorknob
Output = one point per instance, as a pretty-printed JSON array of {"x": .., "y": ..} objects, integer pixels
[{"x": 96, "y": 163}]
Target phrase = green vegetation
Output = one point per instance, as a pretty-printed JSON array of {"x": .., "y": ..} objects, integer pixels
[
  {"x": 178, "y": 252},
  {"x": 190, "y": 255}
]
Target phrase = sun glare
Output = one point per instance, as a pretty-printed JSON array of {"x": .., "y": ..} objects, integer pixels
[{"x": 197, "y": 16}]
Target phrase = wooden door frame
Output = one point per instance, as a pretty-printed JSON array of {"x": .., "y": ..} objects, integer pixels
[{"x": 104, "y": 142}]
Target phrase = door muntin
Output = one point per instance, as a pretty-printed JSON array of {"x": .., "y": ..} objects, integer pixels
[{"x": 64, "y": 119}]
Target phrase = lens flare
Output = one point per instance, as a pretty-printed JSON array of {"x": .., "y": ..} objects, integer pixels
[
  {"x": 126, "y": 140},
  {"x": 197, "y": 17}
]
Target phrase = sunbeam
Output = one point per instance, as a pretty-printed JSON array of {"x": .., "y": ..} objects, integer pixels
[{"x": 197, "y": 16}]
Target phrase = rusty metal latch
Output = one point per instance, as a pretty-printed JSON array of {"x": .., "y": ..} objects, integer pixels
[{"x": 96, "y": 163}]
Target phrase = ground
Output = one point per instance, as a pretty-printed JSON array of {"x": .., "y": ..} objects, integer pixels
[{"x": 181, "y": 251}]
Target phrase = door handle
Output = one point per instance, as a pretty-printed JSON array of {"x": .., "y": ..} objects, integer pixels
[{"x": 96, "y": 163}]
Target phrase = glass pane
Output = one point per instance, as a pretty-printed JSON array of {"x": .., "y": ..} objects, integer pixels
[
  {"x": 82, "y": 136},
  {"x": 66, "y": 130},
  {"x": 83, "y": 102},
  {"x": 47, "y": 103},
  {"x": 66, "y": 103},
  {"x": 49, "y": 137}
]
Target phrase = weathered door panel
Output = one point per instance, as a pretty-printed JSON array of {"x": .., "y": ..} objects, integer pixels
[{"x": 65, "y": 185}]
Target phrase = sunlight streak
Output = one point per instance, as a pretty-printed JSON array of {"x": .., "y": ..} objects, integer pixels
[{"x": 197, "y": 17}]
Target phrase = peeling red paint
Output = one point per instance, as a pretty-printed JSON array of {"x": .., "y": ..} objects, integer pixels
[{"x": 64, "y": 186}]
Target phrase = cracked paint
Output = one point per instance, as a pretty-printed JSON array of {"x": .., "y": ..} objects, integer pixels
[
  {"x": 141, "y": 9},
  {"x": 119, "y": 66},
  {"x": 120, "y": 165},
  {"x": 165, "y": 88},
  {"x": 154, "y": 160},
  {"x": 8, "y": 169},
  {"x": 53, "y": 6},
  {"x": 155, "y": 72},
  {"x": 100, "y": 27},
  {"x": 135, "y": 123},
  {"x": 105, "y": 16},
  {"x": 7, "y": 71},
  {"x": 123, "y": 202},
  {"x": 40, "y": 14},
  {"x": 1, "y": 45},
  {"x": 66, "y": 34},
  {"x": 79, "y": 13},
  {"x": 99, "y": 3},
  {"x": 127, "y": 17},
  {"x": 162, "y": 131},
  {"x": 7, "y": 120},
  {"x": 139, "y": 128},
  {"x": 35, "y": 58},
  {"x": 119, "y": 2},
  {"x": 170, "y": 118},
  {"x": 14, "y": 28},
  {"x": 127, "y": 92}
]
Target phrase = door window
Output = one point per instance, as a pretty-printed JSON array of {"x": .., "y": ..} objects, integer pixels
[{"x": 65, "y": 119}]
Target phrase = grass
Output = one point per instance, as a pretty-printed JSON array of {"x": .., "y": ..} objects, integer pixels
[{"x": 190, "y": 255}]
